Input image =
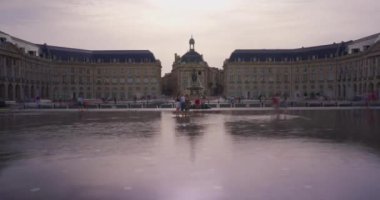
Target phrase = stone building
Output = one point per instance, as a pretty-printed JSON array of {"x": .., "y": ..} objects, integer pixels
[
  {"x": 336, "y": 71},
  {"x": 358, "y": 73},
  {"x": 29, "y": 70},
  {"x": 191, "y": 63},
  {"x": 215, "y": 81},
  {"x": 345, "y": 71}
]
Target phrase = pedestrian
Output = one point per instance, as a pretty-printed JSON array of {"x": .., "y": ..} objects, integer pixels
[
  {"x": 276, "y": 105},
  {"x": 275, "y": 101},
  {"x": 187, "y": 103},
  {"x": 177, "y": 105},
  {"x": 261, "y": 100},
  {"x": 182, "y": 102}
]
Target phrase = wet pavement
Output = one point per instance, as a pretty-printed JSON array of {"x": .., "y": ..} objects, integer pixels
[{"x": 314, "y": 154}]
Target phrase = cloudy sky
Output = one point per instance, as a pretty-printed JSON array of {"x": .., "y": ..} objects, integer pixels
[{"x": 165, "y": 26}]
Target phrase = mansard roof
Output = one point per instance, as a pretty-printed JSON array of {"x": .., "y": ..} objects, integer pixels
[
  {"x": 374, "y": 36},
  {"x": 69, "y": 54},
  {"x": 304, "y": 53}
]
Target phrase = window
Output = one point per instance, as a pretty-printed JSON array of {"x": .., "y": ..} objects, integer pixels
[
  {"x": 331, "y": 73},
  {"x": 231, "y": 78},
  {"x": 356, "y": 50},
  {"x": 321, "y": 74},
  {"x": 72, "y": 79},
  {"x": 238, "y": 78},
  {"x": 64, "y": 79},
  {"x": 286, "y": 78}
]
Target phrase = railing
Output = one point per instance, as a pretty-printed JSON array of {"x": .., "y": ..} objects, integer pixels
[{"x": 224, "y": 104}]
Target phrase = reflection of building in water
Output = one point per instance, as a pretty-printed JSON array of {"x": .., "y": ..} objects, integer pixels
[
  {"x": 192, "y": 132},
  {"x": 339, "y": 70},
  {"x": 29, "y": 70}
]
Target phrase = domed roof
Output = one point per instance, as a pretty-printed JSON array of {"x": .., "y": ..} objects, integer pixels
[{"x": 192, "y": 57}]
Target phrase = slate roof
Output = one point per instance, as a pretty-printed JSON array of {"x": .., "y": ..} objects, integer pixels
[
  {"x": 67, "y": 54},
  {"x": 319, "y": 52},
  {"x": 192, "y": 57}
]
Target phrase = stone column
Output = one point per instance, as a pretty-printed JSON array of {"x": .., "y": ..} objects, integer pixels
[
  {"x": 6, "y": 91},
  {"x": 22, "y": 93}
]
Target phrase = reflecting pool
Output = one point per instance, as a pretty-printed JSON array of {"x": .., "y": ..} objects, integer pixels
[{"x": 310, "y": 154}]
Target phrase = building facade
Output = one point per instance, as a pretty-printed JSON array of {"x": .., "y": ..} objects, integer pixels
[
  {"x": 335, "y": 71},
  {"x": 340, "y": 71},
  {"x": 29, "y": 70},
  {"x": 210, "y": 79}
]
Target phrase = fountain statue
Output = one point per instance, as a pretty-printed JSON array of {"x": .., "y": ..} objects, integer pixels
[{"x": 196, "y": 88}]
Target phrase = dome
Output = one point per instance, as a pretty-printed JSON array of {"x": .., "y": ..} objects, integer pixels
[{"x": 192, "y": 57}]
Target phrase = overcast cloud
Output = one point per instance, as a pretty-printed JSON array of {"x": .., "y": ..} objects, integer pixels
[{"x": 165, "y": 26}]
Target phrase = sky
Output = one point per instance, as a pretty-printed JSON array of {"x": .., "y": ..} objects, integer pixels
[{"x": 165, "y": 26}]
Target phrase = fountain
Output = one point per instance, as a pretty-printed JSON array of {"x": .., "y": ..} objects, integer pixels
[{"x": 196, "y": 88}]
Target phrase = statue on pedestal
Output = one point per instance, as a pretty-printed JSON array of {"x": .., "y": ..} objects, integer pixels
[
  {"x": 194, "y": 77},
  {"x": 196, "y": 86}
]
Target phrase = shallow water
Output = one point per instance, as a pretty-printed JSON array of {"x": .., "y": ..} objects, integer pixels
[{"x": 209, "y": 155}]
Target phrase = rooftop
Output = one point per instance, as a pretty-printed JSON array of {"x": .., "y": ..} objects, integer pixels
[{"x": 304, "y": 53}]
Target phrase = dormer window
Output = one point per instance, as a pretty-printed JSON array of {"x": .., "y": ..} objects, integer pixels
[
  {"x": 32, "y": 53},
  {"x": 356, "y": 50}
]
